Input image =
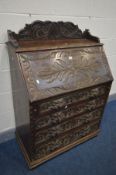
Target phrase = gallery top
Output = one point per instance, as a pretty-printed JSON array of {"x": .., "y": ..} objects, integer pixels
[{"x": 57, "y": 57}]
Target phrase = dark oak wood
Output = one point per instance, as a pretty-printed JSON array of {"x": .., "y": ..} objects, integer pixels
[
  {"x": 47, "y": 30},
  {"x": 34, "y": 163},
  {"x": 60, "y": 84}
]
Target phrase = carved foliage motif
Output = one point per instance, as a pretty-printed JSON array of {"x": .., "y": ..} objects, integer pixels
[
  {"x": 53, "y": 132},
  {"x": 45, "y": 134},
  {"x": 53, "y": 145},
  {"x": 57, "y": 117},
  {"x": 72, "y": 98},
  {"x": 50, "y": 30},
  {"x": 54, "y": 72}
]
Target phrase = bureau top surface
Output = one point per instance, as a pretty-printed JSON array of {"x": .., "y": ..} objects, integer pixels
[
  {"x": 25, "y": 46},
  {"x": 48, "y": 73}
]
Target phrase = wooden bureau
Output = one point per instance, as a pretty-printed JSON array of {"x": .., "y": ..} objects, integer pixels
[{"x": 60, "y": 83}]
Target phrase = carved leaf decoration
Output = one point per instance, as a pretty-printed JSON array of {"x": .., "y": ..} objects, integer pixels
[
  {"x": 63, "y": 71},
  {"x": 60, "y": 71}
]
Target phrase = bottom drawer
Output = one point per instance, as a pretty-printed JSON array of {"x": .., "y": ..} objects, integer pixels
[{"x": 59, "y": 142}]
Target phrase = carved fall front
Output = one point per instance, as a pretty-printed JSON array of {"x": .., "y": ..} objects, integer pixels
[{"x": 51, "y": 73}]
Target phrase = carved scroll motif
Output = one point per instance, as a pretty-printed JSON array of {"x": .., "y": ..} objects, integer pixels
[
  {"x": 54, "y": 131},
  {"x": 48, "y": 30},
  {"x": 53, "y": 145},
  {"x": 53, "y": 72}
]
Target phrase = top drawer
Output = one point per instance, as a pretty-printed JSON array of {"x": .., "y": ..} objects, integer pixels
[{"x": 70, "y": 99}]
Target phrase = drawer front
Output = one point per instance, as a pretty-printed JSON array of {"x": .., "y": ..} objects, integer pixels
[
  {"x": 59, "y": 142},
  {"x": 59, "y": 129},
  {"x": 78, "y": 96},
  {"x": 69, "y": 112}
]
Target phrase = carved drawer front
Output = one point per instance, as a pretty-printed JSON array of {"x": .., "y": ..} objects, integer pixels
[
  {"x": 59, "y": 142},
  {"x": 59, "y": 129},
  {"x": 75, "y": 97},
  {"x": 65, "y": 120},
  {"x": 68, "y": 112}
]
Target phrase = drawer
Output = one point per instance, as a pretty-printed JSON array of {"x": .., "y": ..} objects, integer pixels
[
  {"x": 74, "y": 122},
  {"x": 75, "y": 97},
  {"x": 59, "y": 142},
  {"x": 69, "y": 112}
]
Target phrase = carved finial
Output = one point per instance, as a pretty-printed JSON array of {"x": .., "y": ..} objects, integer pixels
[{"x": 87, "y": 35}]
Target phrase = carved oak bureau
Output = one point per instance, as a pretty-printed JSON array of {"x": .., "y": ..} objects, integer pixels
[{"x": 60, "y": 82}]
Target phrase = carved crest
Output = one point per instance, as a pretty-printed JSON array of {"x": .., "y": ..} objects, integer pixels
[{"x": 48, "y": 30}]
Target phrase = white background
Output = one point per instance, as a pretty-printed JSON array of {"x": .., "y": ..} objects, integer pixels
[{"x": 97, "y": 15}]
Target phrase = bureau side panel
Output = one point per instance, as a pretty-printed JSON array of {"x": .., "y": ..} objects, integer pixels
[{"x": 20, "y": 100}]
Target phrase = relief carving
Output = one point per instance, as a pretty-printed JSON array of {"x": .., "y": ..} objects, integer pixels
[
  {"x": 72, "y": 113},
  {"x": 53, "y": 145},
  {"x": 55, "y": 72},
  {"x": 48, "y": 30},
  {"x": 72, "y": 98}
]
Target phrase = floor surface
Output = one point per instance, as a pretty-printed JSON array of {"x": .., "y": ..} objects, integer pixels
[{"x": 95, "y": 157}]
